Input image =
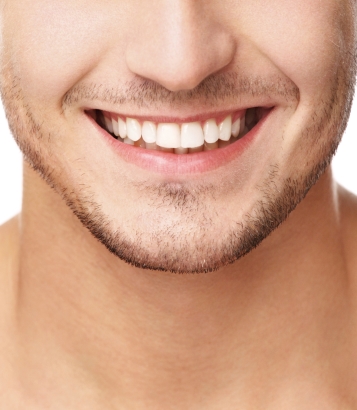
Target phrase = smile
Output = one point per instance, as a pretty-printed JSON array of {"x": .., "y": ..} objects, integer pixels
[{"x": 181, "y": 137}]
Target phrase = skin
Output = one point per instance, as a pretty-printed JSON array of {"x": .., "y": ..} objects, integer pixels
[{"x": 84, "y": 329}]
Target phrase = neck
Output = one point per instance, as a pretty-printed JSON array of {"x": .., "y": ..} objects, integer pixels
[{"x": 142, "y": 337}]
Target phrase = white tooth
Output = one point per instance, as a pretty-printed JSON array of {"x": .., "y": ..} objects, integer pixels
[
  {"x": 181, "y": 150},
  {"x": 133, "y": 129},
  {"x": 236, "y": 128},
  {"x": 115, "y": 127},
  {"x": 122, "y": 128},
  {"x": 192, "y": 135},
  {"x": 128, "y": 141},
  {"x": 151, "y": 145},
  {"x": 242, "y": 125},
  {"x": 211, "y": 132},
  {"x": 149, "y": 131},
  {"x": 109, "y": 125},
  {"x": 168, "y": 135},
  {"x": 225, "y": 129}
]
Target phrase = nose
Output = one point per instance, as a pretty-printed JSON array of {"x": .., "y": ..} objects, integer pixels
[{"x": 178, "y": 43}]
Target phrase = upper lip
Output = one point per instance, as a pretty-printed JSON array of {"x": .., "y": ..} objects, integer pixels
[
  {"x": 180, "y": 120},
  {"x": 165, "y": 116}
]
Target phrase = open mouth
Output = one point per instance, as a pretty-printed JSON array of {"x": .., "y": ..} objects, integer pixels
[{"x": 180, "y": 138}]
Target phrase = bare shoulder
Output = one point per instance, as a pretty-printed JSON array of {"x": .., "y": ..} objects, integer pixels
[
  {"x": 348, "y": 219},
  {"x": 9, "y": 245}
]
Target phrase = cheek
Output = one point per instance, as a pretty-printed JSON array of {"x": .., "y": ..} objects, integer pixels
[
  {"x": 55, "y": 45},
  {"x": 304, "y": 39}
]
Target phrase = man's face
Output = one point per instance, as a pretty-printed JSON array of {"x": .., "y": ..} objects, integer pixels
[{"x": 198, "y": 62}]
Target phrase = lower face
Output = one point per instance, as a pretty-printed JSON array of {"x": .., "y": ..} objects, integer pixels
[{"x": 185, "y": 180}]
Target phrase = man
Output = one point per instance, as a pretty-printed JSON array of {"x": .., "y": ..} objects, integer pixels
[{"x": 182, "y": 243}]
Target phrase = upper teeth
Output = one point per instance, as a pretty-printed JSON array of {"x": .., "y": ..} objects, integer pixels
[{"x": 179, "y": 137}]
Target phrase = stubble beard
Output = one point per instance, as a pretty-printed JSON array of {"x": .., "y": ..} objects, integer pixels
[{"x": 186, "y": 245}]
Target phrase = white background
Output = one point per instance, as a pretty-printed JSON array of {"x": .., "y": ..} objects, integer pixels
[{"x": 344, "y": 165}]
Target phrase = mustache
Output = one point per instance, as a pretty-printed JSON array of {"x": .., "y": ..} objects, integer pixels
[{"x": 215, "y": 89}]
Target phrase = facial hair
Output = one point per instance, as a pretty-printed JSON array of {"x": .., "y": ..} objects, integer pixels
[{"x": 186, "y": 243}]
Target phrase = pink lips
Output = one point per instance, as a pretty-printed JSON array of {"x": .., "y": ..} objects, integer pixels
[{"x": 173, "y": 164}]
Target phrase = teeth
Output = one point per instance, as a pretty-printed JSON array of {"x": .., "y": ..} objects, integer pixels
[
  {"x": 128, "y": 141},
  {"x": 225, "y": 129},
  {"x": 149, "y": 131},
  {"x": 211, "y": 131},
  {"x": 192, "y": 135},
  {"x": 133, "y": 129},
  {"x": 122, "y": 128},
  {"x": 115, "y": 127},
  {"x": 168, "y": 136},
  {"x": 185, "y": 138},
  {"x": 236, "y": 128},
  {"x": 109, "y": 125}
]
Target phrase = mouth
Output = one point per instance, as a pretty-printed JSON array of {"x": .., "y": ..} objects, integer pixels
[{"x": 188, "y": 136}]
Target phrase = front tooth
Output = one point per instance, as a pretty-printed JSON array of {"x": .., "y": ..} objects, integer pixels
[
  {"x": 192, "y": 135},
  {"x": 211, "y": 132},
  {"x": 236, "y": 128},
  {"x": 168, "y": 135},
  {"x": 109, "y": 125},
  {"x": 122, "y": 128},
  {"x": 133, "y": 128},
  {"x": 225, "y": 129},
  {"x": 115, "y": 127},
  {"x": 149, "y": 132}
]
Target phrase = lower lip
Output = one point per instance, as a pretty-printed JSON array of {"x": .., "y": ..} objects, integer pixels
[{"x": 176, "y": 164}]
